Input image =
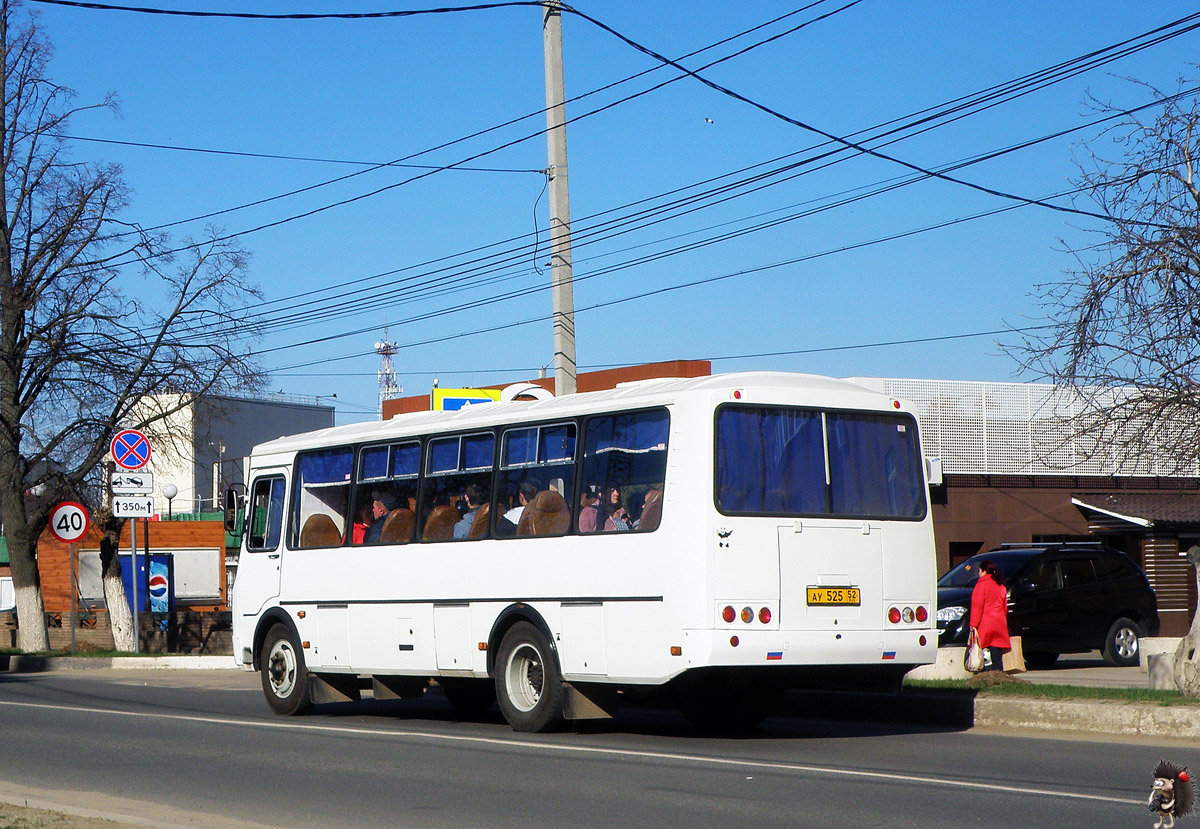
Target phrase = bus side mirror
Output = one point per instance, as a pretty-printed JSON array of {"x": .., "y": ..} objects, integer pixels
[
  {"x": 933, "y": 471},
  {"x": 235, "y": 506}
]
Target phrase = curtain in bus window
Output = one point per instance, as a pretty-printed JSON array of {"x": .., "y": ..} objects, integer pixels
[
  {"x": 406, "y": 460},
  {"x": 331, "y": 466},
  {"x": 557, "y": 443},
  {"x": 874, "y": 466},
  {"x": 770, "y": 460},
  {"x": 443, "y": 455},
  {"x": 520, "y": 447},
  {"x": 477, "y": 451},
  {"x": 374, "y": 462}
]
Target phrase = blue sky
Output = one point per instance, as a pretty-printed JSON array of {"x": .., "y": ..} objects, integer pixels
[{"x": 383, "y": 89}]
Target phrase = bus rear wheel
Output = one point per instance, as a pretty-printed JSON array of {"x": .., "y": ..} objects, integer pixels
[
  {"x": 528, "y": 681},
  {"x": 285, "y": 679}
]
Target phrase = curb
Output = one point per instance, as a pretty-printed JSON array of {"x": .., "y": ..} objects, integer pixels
[
  {"x": 1092, "y": 717},
  {"x": 21, "y": 663}
]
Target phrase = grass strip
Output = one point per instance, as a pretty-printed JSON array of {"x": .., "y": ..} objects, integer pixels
[{"x": 1047, "y": 691}]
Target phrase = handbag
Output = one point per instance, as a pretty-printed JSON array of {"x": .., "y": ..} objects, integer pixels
[
  {"x": 974, "y": 658},
  {"x": 1014, "y": 657}
]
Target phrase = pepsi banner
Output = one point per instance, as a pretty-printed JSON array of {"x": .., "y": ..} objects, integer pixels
[
  {"x": 159, "y": 586},
  {"x": 156, "y": 592}
]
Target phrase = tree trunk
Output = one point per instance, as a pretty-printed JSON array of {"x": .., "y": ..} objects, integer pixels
[
  {"x": 1187, "y": 663},
  {"x": 119, "y": 614},
  {"x": 120, "y": 617}
]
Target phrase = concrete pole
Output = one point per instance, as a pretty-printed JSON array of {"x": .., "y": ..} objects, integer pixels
[{"x": 560, "y": 211}]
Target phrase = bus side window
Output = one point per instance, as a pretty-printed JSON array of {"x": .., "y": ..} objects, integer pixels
[
  {"x": 537, "y": 474},
  {"x": 266, "y": 514},
  {"x": 385, "y": 494},
  {"x": 626, "y": 456},
  {"x": 458, "y": 473},
  {"x": 321, "y": 495}
]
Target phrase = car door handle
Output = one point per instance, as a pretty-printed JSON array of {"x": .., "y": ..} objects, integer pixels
[{"x": 273, "y": 555}]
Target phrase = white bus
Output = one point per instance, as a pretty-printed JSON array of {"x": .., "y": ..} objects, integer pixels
[{"x": 722, "y": 537}]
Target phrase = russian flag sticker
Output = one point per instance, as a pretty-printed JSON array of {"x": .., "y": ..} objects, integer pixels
[
  {"x": 774, "y": 655},
  {"x": 889, "y": 654}
]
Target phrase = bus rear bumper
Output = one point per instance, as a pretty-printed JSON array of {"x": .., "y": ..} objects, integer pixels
[{"x": 730, "y": 648}]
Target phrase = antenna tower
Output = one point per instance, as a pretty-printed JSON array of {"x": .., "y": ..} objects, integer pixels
[{"x": 389, "y": 387}]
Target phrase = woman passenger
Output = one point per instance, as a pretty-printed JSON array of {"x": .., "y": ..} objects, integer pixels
[{"x": 617, "y": 518}]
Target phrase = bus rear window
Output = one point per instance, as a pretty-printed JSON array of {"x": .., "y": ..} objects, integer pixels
[{"x": 802, "y": 462}]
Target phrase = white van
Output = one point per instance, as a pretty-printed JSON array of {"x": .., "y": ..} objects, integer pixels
[{"x": 8, "y": 597}]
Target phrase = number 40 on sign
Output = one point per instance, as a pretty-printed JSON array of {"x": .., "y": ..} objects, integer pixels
[{"x": 69, "y": 522}]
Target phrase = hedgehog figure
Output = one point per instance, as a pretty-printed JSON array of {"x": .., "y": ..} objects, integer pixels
[{"x": 1172, "y": 795}]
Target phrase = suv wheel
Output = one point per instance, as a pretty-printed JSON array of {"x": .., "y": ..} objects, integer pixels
[{"x": 1121, "y": 643}]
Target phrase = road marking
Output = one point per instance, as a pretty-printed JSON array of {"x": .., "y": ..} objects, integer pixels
[{"x": 766, "y": 765}]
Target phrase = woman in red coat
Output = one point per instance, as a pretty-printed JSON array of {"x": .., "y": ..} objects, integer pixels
[{"x": 989, "y": 613}]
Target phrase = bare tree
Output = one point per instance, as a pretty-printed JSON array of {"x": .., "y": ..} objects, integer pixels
[
  {"x": 80, "y": 350},
  {"x": 1124, "y": 328}
]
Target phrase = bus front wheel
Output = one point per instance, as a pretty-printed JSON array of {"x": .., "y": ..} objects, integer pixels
[
  {"x": 528, "y": 681},
  {"x": 284, "y": 677}
]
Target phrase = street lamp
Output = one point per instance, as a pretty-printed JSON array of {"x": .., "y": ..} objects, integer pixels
[{"x": 170, "y": 491}]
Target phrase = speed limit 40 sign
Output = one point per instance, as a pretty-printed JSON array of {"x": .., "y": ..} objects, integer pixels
[{"x": 69, "y": 522}]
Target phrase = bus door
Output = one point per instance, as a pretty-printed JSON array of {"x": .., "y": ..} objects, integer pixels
[
  {"x": 831, "y": 576},
  {"x": 257, "y": 580}
]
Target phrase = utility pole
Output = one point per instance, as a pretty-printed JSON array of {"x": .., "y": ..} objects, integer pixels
[{"x": 560, "y": 211}]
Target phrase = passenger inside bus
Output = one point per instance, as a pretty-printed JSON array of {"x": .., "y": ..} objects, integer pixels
[
  {"x": 616, "y": 517},
  {"x": 507, "y": 525},
  {"x": 476, "y": 496},
  {"x": 589, "y": 510},
  {"x": 382, "y": 503},
  {"x": 651, "y": 513}
]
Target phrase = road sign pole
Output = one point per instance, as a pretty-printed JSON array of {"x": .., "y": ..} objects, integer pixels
[
  {"x": 134, "y": 582},
  {"x": 73, "y": 595}
]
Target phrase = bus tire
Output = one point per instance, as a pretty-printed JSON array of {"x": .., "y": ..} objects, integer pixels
[
  {"x": 529, "y": 684},
  {"x": 285, "y": 679}
]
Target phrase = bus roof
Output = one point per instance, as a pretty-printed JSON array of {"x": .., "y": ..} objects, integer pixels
[{"x": 829, "y": 390}]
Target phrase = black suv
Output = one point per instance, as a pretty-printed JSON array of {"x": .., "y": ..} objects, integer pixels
[{"x": 1062, "y": 598}]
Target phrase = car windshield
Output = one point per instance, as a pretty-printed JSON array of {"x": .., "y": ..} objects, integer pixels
[{"x": 966, "y": 573}]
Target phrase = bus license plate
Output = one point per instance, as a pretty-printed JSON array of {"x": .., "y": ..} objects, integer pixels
[{"x": 833, "y": 596}]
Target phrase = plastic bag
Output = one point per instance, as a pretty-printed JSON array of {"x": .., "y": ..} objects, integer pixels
[{"x": 974, "y": 658}]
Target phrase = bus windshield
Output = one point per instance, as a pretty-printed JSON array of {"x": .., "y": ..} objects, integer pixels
[{"x": 805, "y": 462}]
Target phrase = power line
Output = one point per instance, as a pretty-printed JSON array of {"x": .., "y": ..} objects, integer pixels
[
  {"x": 276, "y": 157},
  {"x": 984, "y": 99},
  {"x": 326, "y": 312},
  {"x": 711, "y": 357}
]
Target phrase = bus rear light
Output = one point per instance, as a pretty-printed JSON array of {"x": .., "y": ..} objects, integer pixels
[
  {"x": 728, "y": 614},
  {"x": 907, "y": 615},
  {"x": 922, "y": 613},
  {"x": 733, "y": 641},
  {"x": 737, "y": 394},
  {"x": 747, "y": 614},
  {"x": 894, "y": 615},
  {"x": 764, "y": 615},
  {"x": 922, "y": 640}
]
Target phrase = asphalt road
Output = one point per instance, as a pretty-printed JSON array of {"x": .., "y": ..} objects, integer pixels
[{"x": 200, "y": 748}]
